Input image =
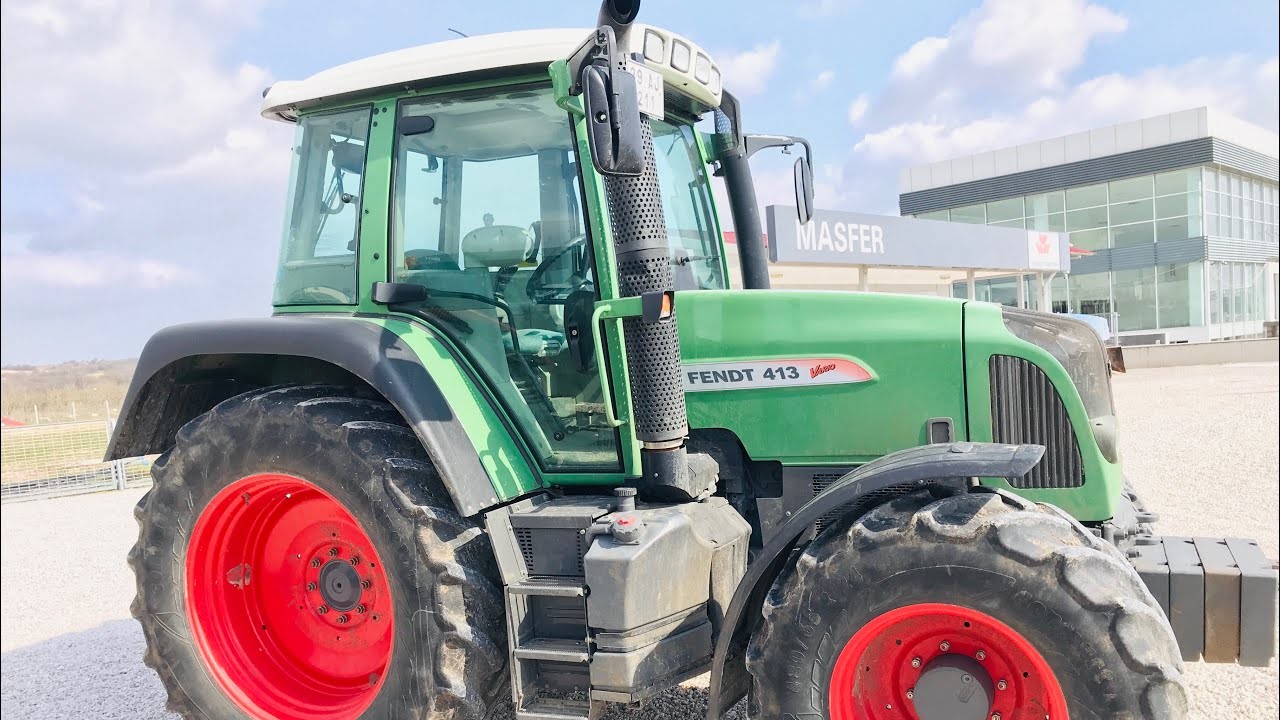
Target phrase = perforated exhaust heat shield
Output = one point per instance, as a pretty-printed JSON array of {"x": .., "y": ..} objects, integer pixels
[{"x": 644, "y": 266}]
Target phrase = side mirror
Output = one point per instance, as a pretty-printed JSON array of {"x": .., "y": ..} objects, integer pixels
[
  {"x": 803, "y": 167},
  {"x": 804, "y": 190},
  {"x": 613, "y": 120}
]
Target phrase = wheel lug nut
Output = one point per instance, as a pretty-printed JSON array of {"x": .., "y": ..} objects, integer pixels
[
  {"x": 995, "y": 716},
  {"x": 322, "y": 609},
  {"x": 355, "y": 561},
  {"x": 360, "y": 610},
  {"x": 311, "y": 587},
  {"x": 342, "y": 619},
  {"x": 915, "y": 662},
  {"x": 366, "y": 584},
  {"x": 315, "y": 562},
  {"x": 981, "y": 655},
  {"x": 911, "y": 693},
  {"x": 944, "y": 646},
  {"x": 333, "y": 552},
  {"x": 1002, "y": 685}
]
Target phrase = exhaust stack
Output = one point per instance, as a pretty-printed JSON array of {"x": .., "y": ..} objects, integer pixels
[{"x": 653, "y": 348}]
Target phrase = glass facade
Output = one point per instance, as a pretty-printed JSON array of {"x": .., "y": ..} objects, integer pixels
[
  {"x": 1122, "y": 213},
  {"x": 1135, "y": 211}
]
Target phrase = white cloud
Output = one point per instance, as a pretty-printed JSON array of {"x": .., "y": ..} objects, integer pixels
[
  {"x": 858, "y": 109},
  {"x": 1004, "y": 47},
  {"x": 920, "y": 57},
  {"x": 139, "y": 165},
  {"x": 823, "y": 80},
  {"x": 89, "y": 271},
  {"x": 1045, "y": 38},
  {"x": 1007, "y": 73},
  {"x": 1239, "y": 85},
  {"x": 747, "y": 72}
]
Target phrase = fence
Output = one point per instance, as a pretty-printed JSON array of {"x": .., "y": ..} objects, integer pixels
[{"x": 63, "y": 459}]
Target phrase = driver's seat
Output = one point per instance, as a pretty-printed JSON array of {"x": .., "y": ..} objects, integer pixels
[{"x": 502, "y": 249}]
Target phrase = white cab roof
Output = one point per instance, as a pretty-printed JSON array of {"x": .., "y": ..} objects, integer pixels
[{"x": 410, "y": 66}]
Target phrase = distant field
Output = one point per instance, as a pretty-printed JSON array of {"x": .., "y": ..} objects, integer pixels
[{"x": 86, "y": 390}]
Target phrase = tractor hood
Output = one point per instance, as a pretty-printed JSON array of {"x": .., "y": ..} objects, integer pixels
[{"x": 811, "y": 377}]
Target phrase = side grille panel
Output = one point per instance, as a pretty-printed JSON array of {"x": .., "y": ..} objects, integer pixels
[{"x": 1025, "y": 408}]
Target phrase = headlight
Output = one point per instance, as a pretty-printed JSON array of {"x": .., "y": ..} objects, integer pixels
[{"x": 1079, "y": 349}]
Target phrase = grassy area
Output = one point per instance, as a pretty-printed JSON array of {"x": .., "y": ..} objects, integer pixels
[{"x": 88, "y": 390}]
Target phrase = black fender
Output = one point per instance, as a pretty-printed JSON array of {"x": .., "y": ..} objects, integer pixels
[
  {"x": 185, "y": 370},
  {"x": 952, "y": 462}
]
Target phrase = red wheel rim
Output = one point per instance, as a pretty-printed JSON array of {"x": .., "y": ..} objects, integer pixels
[
  {"x": 279, "y": 644},
  {"x": 876, "y": 671}
]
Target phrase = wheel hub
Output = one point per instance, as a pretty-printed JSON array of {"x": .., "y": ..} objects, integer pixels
[
  {"x": 288, "y": 604},
  {"x": 953, "y": 687},
  {"x": 933, "y": 661},
  {"x": 340, "y": 585}
]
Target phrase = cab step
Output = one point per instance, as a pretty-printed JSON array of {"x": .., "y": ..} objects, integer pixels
[
  {"x": 549, "y": 587},
  {"x": 553, "y": 650},
  {"x": 556, "y": 709}
]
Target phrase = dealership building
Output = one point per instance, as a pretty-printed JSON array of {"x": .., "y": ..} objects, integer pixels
[{"x": 1171, "y": 221}]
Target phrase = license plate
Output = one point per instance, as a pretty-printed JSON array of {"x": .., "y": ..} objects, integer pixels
[{"x": 648, "y": 90}]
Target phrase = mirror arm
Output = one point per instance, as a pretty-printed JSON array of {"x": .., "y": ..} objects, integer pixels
[{"x": 756, "y": 143}]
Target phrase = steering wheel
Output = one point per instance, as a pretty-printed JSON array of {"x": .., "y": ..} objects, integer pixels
[{"x": 537, "y": 290}]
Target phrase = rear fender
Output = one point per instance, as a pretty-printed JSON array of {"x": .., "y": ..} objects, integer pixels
[
  {"x": 186, "y": 369},
  {"x": 953, "y": 463}
]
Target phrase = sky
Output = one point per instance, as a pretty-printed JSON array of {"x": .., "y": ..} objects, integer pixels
[{"x": 142, "y": 189}]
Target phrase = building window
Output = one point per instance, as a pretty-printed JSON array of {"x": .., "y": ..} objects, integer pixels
[
  {"x": 1137, "y": 188},
  {"x": 1131, "y": 212},
  {"x": 1001, "y": 211},
  {"x": 1131, "y": 235},
  {"x": 1090, "y": 239},
  {"x": 943, "y": 215},
  {"x": 1086, "y": 197},
  {"x": 969, "y": 214},
  {"x": 1135, "y": 298},
  {"x": 1091, "y": 294},
  {"x": 1239, "y": 207},
  {"x": 1237, "y": 294},
  {"x": 1180, "y": 295}
]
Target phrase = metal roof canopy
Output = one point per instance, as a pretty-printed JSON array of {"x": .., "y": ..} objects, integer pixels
[{"x": 846, "y": 238}]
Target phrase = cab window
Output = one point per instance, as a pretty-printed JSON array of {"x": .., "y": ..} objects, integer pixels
[
  {"x": 686, "y": 202},
  {"x": 322, "y": 217}
]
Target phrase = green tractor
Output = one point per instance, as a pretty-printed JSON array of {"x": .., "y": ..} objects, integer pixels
[{"x": 510, "y": 437}]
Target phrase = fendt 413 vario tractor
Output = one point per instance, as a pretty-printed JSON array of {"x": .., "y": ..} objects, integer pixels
[{"x": 510, "y": 437}]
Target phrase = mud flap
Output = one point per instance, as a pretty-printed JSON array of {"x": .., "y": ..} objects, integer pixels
[{"x": 1218, "y": 593}]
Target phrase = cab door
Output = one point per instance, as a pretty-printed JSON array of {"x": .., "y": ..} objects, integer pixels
[{"x": 489, "y": 216}]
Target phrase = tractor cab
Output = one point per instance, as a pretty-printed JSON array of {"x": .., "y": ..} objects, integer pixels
[{"x": 493, "y": 220}]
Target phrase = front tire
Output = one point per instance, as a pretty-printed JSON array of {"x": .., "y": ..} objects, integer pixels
[
  {"x": 298, "y": 558},
  {"x": 1037, "y": 617}
]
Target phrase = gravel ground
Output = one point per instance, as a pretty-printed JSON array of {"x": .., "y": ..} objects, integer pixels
[{"x": 1200, "y": 444}]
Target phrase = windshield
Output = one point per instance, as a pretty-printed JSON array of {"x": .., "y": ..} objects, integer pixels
[
  {"x": 322, "y": 220},
  {"x": 686, "y": 203}
]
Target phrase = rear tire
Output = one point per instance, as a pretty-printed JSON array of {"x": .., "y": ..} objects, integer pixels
[
  {"x": 1055, "y": 613},
  {"x": 232, "y": 614}
]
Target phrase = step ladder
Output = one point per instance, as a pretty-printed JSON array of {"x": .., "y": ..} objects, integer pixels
[{"x": 547, "y": 628}]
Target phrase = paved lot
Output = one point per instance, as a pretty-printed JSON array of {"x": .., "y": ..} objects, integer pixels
[{"x": 1200, "y": 444}]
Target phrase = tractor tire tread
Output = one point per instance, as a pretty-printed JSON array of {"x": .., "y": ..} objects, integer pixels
[
  {"x": 1094, "y": 576},
  {"x": 468, "y": 668}
]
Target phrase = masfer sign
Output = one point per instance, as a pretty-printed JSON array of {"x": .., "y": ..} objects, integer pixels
[{"x": 784, "y": 372}]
